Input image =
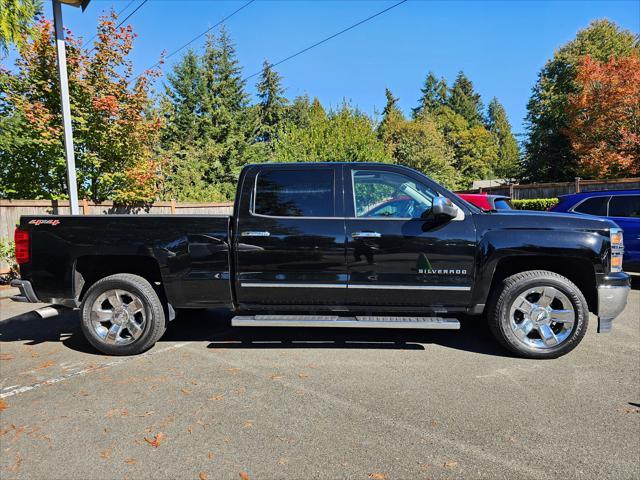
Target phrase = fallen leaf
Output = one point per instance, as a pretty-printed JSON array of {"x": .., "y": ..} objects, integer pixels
[
  {"x": 146, "y": 414},
  {"x": 303, "y": 375},
  {"x": 3, "y": 405},
  {"x": 377, "y": 476},
  {"x": 131, "y": 461},
  {"x": 283, "y": 461},
  {"x": 233, "y": 370},
  {"x": 16, "y": 464},
  {"x": 244, "y": 475},
  {"x": 189, "y": 429},
  {"x": 202, "y": 476},
  {"x": 156, "y": 441},
  {"x": 194, "y": 382},
  {"x": 184, "y": 391},
  {"x": 276, "y": 377},
  {"x": 216, "y": 397},
  {"x": 248, "y": 424},
  {"x": 210, "y": 455},
  {"x": 6, "y": 356},
  {"x": 450, "y": 464},
  {"x": 120, "y": 412},
  {"x": 46, "y": 364},
  {"x": 105, "y": 454}
]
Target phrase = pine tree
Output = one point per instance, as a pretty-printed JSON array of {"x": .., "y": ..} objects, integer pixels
[
  {"x": 272, "y": 105},
  {"x": 183, "y": 102},
  {"x": 391, "y": 116},
  {"x": 464, "y": 101},
  {"x": 434, "y": 95},
  {"x": 507, "y": 162}
]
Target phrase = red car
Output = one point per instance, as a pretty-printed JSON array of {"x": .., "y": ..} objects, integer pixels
[{"x": 487, "y": 202}]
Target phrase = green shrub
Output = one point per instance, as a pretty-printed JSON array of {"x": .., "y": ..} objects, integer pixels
[
  {"x": 535, "y": 203},
  {"x": 7, "y": 256}
]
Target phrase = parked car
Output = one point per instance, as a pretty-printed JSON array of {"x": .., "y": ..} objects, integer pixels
[
  {"x": 306, "y": 247},
  {"x": 621, "y": 206},
  {"x": 488, "y": 202}
]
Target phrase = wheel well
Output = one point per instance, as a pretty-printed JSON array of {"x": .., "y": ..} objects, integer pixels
[
  {"x": 577, "y": 270},
  {"x": 91, "y": 268}
]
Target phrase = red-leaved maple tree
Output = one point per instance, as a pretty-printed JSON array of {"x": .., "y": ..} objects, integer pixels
[
  {"x": 114, "y": 124},
  {"x": 604, "y": 117}
]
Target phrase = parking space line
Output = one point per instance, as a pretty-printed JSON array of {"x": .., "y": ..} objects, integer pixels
[{"x": 102, "y": 366}]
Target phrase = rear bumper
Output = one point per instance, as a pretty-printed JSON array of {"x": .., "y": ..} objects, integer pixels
[
  {"x": 26, "y": 292},
  {"x": 613, "y": 291}
]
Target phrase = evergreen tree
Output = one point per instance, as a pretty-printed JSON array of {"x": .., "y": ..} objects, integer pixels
[
  {"x": 508, "y": 161},
  {"x": 391, "y": 115},
  {"x": 434, "y": 95},
  {"x": 549, "y": 156},
  {"x": 272, "y": 105},
  {"x": 464, "y": 101},
  {"x": 16, "y": 20},
  {"x": 182, "y": 101}
]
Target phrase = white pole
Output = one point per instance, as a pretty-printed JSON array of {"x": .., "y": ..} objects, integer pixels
[{"x": 66, "y": 109}]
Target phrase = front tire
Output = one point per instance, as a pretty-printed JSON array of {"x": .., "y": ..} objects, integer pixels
[
  {"x": 122, "y": 315},
  {"x": 538, "y": 314}
]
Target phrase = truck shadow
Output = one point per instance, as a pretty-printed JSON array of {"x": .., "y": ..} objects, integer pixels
[{"x": 214, "y": 326}]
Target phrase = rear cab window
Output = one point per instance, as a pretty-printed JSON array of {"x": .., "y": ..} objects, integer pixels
[{"x": 295, "y": 193}]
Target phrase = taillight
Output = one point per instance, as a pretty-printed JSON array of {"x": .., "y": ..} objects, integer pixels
[{"x": 22, "y": 246}]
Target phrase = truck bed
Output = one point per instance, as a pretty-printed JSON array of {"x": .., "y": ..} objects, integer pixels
[{"x": 188, "y": 254}]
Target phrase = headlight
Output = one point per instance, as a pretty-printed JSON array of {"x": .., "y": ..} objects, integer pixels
[{"x": 617, "y": 249}]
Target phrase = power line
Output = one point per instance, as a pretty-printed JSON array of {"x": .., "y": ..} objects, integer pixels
[
  {"x": 331, "y": 37},
  {"x": 125, "y": 19},
  {"x": 201, "y": 35},
  {"x": 117, "y": 14}
]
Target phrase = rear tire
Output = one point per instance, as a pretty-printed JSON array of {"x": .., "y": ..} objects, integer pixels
[
  {"x": 122, "y": 315},
  {"x": 538, "y": 314}
]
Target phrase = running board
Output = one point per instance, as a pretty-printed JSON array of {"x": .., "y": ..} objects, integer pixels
[{"x": 436, "y": 323}]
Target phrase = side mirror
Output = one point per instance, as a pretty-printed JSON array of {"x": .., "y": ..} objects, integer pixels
[{"x": 443, "y": 207}]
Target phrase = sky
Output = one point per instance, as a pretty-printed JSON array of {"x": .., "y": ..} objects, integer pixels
[{"x": 500, "y": 45}]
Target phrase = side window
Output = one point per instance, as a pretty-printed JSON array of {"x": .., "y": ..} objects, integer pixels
[
  {"x": 295, "y": 193},
  {"x": 380, "y": 194},
  {"x": 625, "y": 206},
  {"x": 593, "y": 206}
]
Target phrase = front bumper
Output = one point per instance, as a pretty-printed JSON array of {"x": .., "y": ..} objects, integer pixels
[
  {"x": 26, "y": 292},
  {"x": 613, "y": 291}
]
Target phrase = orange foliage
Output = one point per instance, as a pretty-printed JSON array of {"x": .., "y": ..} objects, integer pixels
[{"x": 604, "y": 117}]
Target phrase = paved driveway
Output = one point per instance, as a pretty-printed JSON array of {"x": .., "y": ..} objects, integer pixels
[{"x": 211, "y": 401}]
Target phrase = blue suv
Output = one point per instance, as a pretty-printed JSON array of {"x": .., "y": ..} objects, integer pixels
[{"x": 621, "y": 206}]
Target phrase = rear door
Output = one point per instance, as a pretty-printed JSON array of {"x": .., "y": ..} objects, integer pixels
[
  {"x": 397, "y": 256},
  {"x": 625, "y": 211},
  {"x": 289, "y": 237}
]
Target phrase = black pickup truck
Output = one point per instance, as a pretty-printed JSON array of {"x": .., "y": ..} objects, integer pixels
[{"x": 331, "y": 244}]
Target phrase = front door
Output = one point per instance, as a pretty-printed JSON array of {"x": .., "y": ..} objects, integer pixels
[
  {"x": 289, "y": 237},
  {"x": 398, "y": 255}
]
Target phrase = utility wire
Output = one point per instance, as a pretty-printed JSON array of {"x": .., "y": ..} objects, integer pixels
[
  {"x": 201, "y": 34},
  {"x": 331, "y": 37},
  {"x": 123, "y": 20}
]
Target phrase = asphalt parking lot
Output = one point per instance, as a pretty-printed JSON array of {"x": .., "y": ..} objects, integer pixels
[{"x": 211, "y": 401}]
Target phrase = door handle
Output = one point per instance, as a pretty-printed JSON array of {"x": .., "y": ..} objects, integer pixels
[
  {"x": 255, "y": 234},
  {"x": 366, "y": 235}
]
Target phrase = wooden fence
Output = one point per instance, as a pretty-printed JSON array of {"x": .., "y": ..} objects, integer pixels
[
  {"x": 11, "y": 210},
  {"x": 553, "y": 190}
]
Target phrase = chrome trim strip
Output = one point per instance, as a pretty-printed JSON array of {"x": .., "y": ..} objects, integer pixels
[
  {"x": 430, "y": 323},
  {"x": 356, "y": 286},
  {"x": 412, "y": 287},
  {"x": 293, "y": 285}
]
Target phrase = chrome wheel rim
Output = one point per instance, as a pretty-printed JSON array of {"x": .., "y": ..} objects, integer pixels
[
  {"x": 542, "y": 317},
  {"x": 118, "y": 317}
]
